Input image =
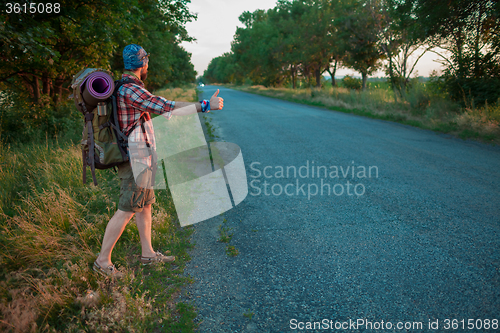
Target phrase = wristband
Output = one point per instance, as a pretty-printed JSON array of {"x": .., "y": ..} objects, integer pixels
[{"x": 205, "y": 106}]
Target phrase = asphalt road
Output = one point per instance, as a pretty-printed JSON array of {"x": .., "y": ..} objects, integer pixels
[{"x": 416, "y": 242}]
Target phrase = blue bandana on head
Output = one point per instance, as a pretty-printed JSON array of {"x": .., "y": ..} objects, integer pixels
[{"x": 132, "y": 55}]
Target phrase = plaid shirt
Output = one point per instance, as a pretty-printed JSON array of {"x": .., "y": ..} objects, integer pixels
[{"x": 133, "y": 101}]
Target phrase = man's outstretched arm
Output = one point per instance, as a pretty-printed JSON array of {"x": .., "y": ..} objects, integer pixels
[{"x": 216, "y": 103}]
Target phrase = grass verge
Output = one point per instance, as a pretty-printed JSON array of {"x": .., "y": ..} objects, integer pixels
[
  {"x": 225, "y": 233},
  {"x": 51, "y": 227}
]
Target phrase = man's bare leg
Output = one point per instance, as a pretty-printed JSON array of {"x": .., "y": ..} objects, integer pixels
[
  {"x": 113, "y": 232},
  {"x": 143, "y": 221}
]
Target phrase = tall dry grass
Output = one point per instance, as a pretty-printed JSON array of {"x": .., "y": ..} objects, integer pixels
[
  {"x": 51, "y": 227},
  {"x": 484, "y": 120},
  {"x": 48, "y": 235},
  {"x": 187, "y": 93}
]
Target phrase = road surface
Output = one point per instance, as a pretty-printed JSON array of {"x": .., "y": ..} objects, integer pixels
[{"x": 410, "y": 238}]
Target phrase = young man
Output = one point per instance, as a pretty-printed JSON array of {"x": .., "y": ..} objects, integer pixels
[{"x": 133, "y": 101}]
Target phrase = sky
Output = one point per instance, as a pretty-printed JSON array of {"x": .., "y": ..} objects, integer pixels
[{"x": 216, "y": 24}]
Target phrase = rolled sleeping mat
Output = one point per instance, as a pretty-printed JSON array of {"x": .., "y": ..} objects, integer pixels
[{"x": 98, "y": 87}]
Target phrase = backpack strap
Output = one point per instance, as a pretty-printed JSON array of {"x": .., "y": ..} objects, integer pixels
[
  {"x": 114, "y": 123},
  {"x": 123, "y": 143},
  {"x": 134, "y": 125},
  {"x": 89, "y": 116},
  {"x": 118, "y": 85},
  {"x": 84, "y": 159},
  {"x": 140, "y": 121}
]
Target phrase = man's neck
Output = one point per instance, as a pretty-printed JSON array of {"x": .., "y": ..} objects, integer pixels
[{"x": 132, "y": 73}]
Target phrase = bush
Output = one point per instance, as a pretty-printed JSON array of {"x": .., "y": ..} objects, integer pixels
[
  {"x": 474, "y": 92},
  {"x": 23, "y": 122},
  {"x": 418, "y": 97},
  {"x": 437, "y": 85},
  {"x": 350, "y": 82}
]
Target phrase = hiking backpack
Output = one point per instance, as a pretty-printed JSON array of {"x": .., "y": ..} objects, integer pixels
[{"x": 104, "y": 145}]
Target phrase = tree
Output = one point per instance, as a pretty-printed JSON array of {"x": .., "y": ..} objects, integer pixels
[
  {"x": 41, "y": 52},
  {"x": 316, "y": 24},
  {"x": 286, "y": 17},
  {"x": 258, "y": 48},
  {"x": 292, "y": 38},
  {"x": 337, "y": 45},
  {"x": 223, "y": 69},
  {"x": 360, "y": 29},
  {"x": 399, "y": 39},
  {"x": 469, "y": 31}
]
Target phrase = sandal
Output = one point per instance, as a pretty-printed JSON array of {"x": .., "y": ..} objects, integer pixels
[
  {"x": 158, "y": 258},
  {"x": 109, "y": 271}
]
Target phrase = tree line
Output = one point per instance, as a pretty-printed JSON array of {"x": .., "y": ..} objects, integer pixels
[
  {"x": 40, "y": 52},
  {"x": 307, "y": 38}
]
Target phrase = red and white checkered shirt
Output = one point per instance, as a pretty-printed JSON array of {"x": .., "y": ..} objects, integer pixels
[{"x": 133, "y": 101}]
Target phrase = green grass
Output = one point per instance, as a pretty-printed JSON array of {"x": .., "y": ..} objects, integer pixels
[
  {"x": 232, "y": 251},
  {"x": 210, "y": 129},
  {"x": 224, "y": 234},
  {"x": 51, "y": 227},
  {"x": 249, "y": 314},
  {"x": 421, "y": 108}
]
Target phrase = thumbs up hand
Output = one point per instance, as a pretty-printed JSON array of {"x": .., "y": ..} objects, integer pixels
[{"x": 216, "y": 103}]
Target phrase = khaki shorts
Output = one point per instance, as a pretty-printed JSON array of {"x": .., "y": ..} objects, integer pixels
[{"x": 132, "y": 197}]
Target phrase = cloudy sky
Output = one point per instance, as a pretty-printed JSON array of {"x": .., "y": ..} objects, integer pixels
[{"x": 216, "y": 25}]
